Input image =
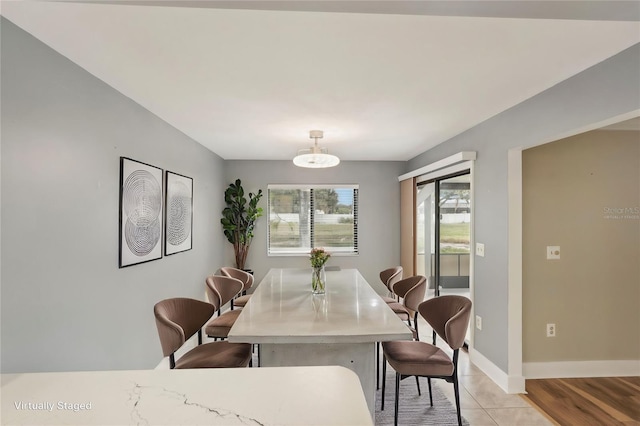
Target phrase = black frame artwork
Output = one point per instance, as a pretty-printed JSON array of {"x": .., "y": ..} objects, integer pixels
[
  {"x": 141, "y": 225},
  {"x": 178, "y": 214}
]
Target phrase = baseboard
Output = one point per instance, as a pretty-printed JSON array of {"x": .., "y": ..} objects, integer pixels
[
  {"x": 509, "y": 384},
  {"x": 566, "y": 369}
]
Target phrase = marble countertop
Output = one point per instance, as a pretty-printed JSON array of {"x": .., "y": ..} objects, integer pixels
[
  {"x": 327, "y": 395},
  {"x": 283, "y": 310}
]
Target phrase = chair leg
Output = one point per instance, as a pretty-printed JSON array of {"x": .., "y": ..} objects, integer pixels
[
  {"x": 418, "y": 385},
  {"x": 457, "y": 395},
  {"x": 395, "y": 415},
  {"x": 384, "y": 382},
  {"x": 430, "y": 393},
  {"x": 377, "y": 365}
]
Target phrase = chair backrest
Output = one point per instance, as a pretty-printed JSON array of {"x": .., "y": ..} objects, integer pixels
[
  {"x": 411, "y": 290},
  {"x": 226, "y": 288},
  {"x": 178, "y": 319},
  {"x": 212, "y": 293},
  {"x": 449, "y": 317},
  {"x": 391, "y": 276},
  {"x": 239, "y": 274}
]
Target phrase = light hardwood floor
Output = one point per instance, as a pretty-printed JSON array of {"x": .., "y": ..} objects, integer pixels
[{"x": 589, "y": 401}]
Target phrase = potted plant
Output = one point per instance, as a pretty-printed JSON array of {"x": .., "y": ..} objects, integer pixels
[
  {"x": 318, "y": 257},
  {"x": 239, "y": 219}
]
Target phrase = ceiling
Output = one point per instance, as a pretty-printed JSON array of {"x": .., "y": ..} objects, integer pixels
[{"x": 384, "y": 80}]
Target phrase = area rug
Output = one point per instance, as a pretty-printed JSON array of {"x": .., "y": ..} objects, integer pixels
[{"x": 415, "y": 409}]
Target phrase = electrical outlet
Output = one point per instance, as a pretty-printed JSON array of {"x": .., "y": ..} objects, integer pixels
[
  {"x": 478, "y": 322},
  {"x": 553, "y": 252},
  {"x": 551, "y": 330}
]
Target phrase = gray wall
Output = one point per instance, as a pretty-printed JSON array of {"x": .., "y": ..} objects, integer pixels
[
  {"x": 608, "y": 89},
  {"x": 379, "y": 212},
  {"x": 65, "y": 303}
]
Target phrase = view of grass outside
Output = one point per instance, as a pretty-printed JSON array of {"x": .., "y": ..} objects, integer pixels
[
  {"x": 301, "y": 218},
  {"x": 284, "y": 234},
  {"x": 334, "y": 235},
  {"x": 287, "y": 234},
  {"x": 455, "y": 238}
]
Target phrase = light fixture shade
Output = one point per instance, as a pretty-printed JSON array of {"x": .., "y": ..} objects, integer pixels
[
  {"x": 315, "y": 157},
  {"x": 315, "y": 160}
]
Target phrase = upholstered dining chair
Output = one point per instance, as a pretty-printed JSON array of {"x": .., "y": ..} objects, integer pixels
[
  {"x": 247, "y": 281},
  {"x": 389, "y": 277},
  {"x": 178, "y": 319},
  {"x": 449, "y": 317},
  {"x": 220, "y": 290},
  {"x": 411, "y": 293}
]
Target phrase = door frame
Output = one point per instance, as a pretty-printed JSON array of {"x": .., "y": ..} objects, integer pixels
[{"x": 450, "y": 165}]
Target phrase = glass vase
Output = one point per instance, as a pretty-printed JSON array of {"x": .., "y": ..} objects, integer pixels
[{"x": 318, "y": 280}]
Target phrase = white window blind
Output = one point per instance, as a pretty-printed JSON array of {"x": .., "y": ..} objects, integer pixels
[{"x": 302, "y": 217}]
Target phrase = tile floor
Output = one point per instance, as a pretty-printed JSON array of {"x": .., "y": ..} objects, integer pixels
[{"x": 482, "y": 401}]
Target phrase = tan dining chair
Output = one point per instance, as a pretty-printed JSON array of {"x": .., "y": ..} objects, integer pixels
[
  {"x": 221, "y": 290},
  {"x": 178, "y": 319},
  {"x": 411, "y": 292},
  {"x": 247, "y": 281},
  {"x": 449, "y": 317},
  {"x": 389, "y": 277}
]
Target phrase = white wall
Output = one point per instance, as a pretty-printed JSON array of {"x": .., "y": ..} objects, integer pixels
[{"x": 65, "y": 304}]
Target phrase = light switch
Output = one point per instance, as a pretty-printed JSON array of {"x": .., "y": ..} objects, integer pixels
[
  {"x": 480, "y": 249},
  {"x": 553, "y": 252}
]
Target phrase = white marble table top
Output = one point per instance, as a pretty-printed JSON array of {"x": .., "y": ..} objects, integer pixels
[
  {"x": 283, "y": 310},
  {"x": 238, "y": 396}
]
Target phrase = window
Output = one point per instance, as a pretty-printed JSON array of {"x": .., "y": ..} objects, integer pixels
[{"x": 305, "y": 216}]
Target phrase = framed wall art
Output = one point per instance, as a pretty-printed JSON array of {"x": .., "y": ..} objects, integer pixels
[
  {"x": 179, "y": 214},
  {"x": 140, "y": 212}
]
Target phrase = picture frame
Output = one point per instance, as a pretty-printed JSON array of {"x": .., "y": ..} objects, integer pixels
[
  {"x": 140, "y": 216},
  {"x": 178, "y": 213}
]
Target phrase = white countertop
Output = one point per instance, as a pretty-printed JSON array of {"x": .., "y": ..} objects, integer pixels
[
  {"x": 283, "y": 310},
  {"x": 234, "y": 396}
]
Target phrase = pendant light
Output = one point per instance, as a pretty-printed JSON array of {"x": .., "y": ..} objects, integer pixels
[{"x": 315, "y": 157}]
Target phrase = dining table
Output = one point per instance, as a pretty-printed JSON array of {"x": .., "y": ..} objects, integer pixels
[
  {"x": 341, "y": 327},
  {"x": 292, "y": 396}
]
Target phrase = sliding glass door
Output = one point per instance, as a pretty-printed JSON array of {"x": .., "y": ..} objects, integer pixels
[{"x": 443, "y": 233}]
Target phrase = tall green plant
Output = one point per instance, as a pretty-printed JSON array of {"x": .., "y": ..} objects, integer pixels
[{"x": 239, "y": 219}]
